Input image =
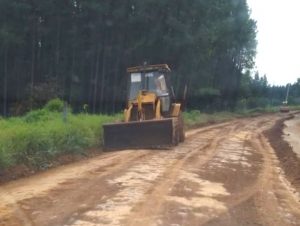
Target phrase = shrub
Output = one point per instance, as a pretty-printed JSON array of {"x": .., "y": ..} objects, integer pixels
[
  {"x": 55, "y": 105},
  {"x": 39, "y": 115}
]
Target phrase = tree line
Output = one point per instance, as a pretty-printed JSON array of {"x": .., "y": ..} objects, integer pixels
[{"x": 79, "y": 50}]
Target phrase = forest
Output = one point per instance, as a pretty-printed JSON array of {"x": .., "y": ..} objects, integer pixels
[{"x": 78, "y": 51}]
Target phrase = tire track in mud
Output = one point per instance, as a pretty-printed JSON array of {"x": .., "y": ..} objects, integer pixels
[
  {"x": 44, "y": 200},
  {"x": 225, "y": 174},
  {"x": 41, "y": 197},
  {"x": 140, "y": 183},
  {"x": 154, "y": 199},
  {"x": 204, "y": 197},
  {"x": 261, "y": 200},
  {"x": 198, "y": 199},
  {"x": 275, "y": 193},
  {"x": 150, "y": 203}
]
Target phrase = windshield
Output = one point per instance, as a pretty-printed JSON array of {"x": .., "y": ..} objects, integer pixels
[
  {"x": 155, "y": 82},
  {"x": 150, "y": 81}
]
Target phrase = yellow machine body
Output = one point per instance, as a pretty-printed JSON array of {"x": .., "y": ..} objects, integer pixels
[{"x": 151, "y": 119}]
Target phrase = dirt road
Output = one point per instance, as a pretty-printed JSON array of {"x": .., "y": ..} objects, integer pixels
[{"x": 225, "y": 174}]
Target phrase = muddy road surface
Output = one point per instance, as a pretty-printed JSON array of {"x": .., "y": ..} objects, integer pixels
[{"x": 226, "y": 174}]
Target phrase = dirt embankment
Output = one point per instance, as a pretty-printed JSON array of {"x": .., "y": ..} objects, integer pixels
[{"x": 289, "y": 161}]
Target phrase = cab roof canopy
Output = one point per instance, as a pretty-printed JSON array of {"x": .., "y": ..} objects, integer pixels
[{"x": 156, "y": 67}]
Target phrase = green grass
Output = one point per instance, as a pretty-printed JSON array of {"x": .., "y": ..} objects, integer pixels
[
  {"x": 196, "y": 118},
  {"x": 294, "y": 108},
  {"x": 42, "y": 135}
]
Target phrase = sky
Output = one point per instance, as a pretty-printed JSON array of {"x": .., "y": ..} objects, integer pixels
[{"x": 278, "y": 49}]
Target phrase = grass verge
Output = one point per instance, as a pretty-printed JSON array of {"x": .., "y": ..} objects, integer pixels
[
  {"x": 40, "y": 136},
  {"x": 196, "y": 118}
]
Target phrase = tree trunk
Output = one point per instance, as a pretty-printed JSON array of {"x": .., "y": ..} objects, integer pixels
[
  {"x": 32, "y": 70},
  {"x": 96, "y": 80},
  {"x": 57, "y": 48},
  {"x": 5, "y": 83},
  {"x": 116, "y": 88},
  {"x": 71, "y": 75},
  {"x": 102, "y": 82},
  {"x": 91, "y": 84}
]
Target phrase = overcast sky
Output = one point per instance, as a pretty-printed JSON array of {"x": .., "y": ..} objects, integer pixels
[{"x": 278, "y": 50}]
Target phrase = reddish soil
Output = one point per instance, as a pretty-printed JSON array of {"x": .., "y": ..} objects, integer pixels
[
  {"x": 224, "y": 174},
  {"x": 20, "y": 171},
  {"x": 289, "y": 160}
]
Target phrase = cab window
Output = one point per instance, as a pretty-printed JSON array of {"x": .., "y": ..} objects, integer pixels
[{"x": 135, "y": 85}]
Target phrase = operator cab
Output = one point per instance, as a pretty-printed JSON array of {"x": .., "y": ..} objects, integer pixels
[{"x": 150, "y": 79}]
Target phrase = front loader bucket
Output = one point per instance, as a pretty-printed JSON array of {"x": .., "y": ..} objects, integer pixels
[{"x": 139, "y": 134}]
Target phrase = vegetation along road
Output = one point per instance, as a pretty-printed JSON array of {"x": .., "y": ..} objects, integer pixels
[{"x": 224, "y": 174}]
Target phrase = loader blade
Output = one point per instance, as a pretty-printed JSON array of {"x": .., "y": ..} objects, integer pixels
[{"x": 140, "y": 134}]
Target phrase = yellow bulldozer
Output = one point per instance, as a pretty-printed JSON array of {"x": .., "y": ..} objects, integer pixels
[{"x": 152, "y": 118}]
